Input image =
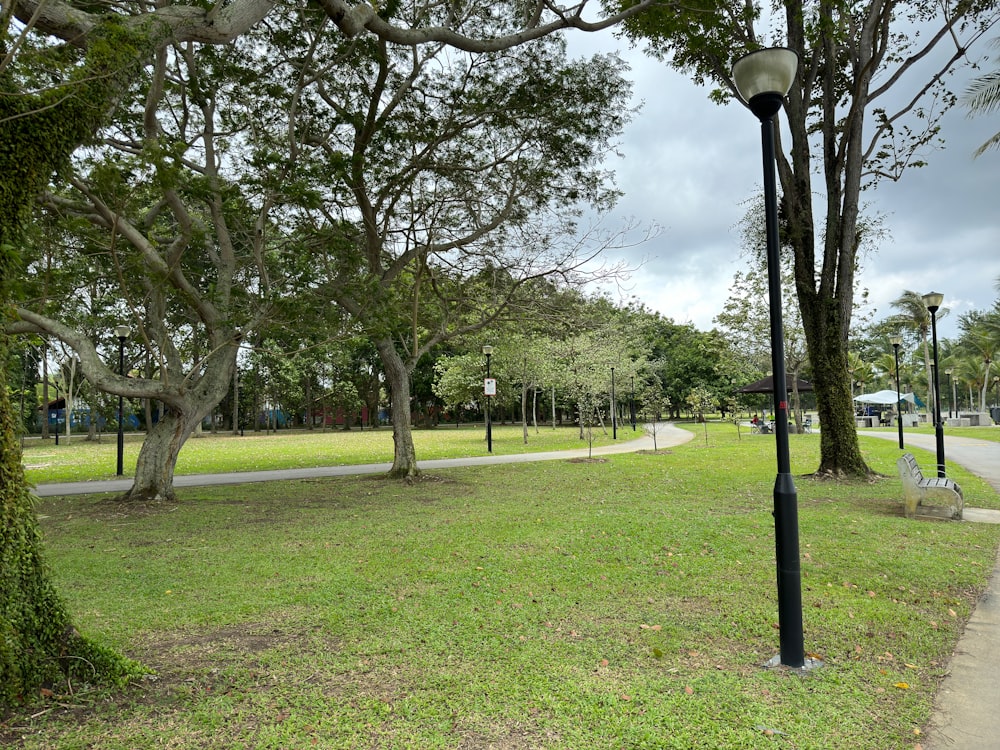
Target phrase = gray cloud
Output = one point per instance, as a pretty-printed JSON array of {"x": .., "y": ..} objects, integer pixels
[{"x": 690, "y": 166}]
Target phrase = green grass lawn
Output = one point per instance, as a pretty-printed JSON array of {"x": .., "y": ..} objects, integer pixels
[
  {"x": 626, "y": 602},
  {"x": 81, "y": 460}
]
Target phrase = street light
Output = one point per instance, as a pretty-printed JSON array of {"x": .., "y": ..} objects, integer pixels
[
  {"x": 896, "y": 342},
  {"x": 122, "y": 332},
  {"x": 614, "y": 408},
  {"x": 489, "y": 389},
  {"x": 763, "y": 79},
  {"x": 933, "y": 301},
  {"x": 631, "y": 404},
  {"x": 952, "y": 385}
]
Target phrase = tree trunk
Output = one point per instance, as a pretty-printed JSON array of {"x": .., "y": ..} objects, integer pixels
[
  {"x": 154, "y": 470},
  {"x": 840, "y": 454},
  {"x": 404, "y": 457}
]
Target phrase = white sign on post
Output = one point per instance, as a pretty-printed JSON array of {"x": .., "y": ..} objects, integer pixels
[{"x": 490, "y": 386}]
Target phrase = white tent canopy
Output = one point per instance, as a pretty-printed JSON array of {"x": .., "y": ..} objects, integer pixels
[{"x": 883, "y": 397}]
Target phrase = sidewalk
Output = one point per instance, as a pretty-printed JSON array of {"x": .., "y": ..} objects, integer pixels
[
  {"x": 967, "y": 708},
  {"x": 667, "y": 435}
]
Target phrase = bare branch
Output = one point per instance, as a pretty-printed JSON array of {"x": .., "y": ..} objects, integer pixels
[{"x": 353, "y": 19}]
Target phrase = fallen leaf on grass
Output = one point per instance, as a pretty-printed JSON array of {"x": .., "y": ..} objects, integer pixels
[
  {"x": 903, "y": 685},
  {"x": 767, "y": 731}
]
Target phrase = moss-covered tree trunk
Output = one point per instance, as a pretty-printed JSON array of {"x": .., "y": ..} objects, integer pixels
[
  {"x": 840, "y": 454},
  {"x": 38, "y": 134}
]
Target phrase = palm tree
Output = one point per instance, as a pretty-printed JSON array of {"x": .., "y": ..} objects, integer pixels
[
  {"x": 916, "y": 317},
  {"x": 982, "y": 96},
  {"x": 981, "y": 342}
]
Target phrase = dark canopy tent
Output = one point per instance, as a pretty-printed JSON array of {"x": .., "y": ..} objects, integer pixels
[{"x": 766, "y": 385}]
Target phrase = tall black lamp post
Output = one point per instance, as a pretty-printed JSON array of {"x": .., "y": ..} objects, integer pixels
[
  {"x": 763, "y": 79},
  {"x": 896, "y": 342},
  {"x": 933, "y": 301},
  {"x": 122, "y": 332},
  {"x": 489, "y": 389}
]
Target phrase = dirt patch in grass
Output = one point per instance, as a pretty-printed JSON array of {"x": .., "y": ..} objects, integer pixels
[{"x": 183, "y": 653}]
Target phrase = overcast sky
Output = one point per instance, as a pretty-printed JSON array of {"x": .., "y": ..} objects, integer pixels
[{"x": 688, "y": 166}]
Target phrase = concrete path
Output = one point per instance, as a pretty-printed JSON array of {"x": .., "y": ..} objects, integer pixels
[
  {"x": 666, "y": 436},
  {"x": 967, "y": 708}
]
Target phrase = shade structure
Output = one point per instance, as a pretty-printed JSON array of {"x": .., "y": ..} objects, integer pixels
[
  {"x": 766, "y": 385},
  {"x": 884, "y": 397}
]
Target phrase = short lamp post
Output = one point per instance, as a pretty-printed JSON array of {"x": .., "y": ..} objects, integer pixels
[
  {"x": 122, "y": 332},
  {"x": 933, "y": 301},
  {"x": 614, "y": 408},
  {"x": 631, "y": 404},
  {"x": 763, "y": 79},
  {"x": 896, "y": 342},
  {"x": 953, "y": 388},
  {"x": 489, "y": 390}
]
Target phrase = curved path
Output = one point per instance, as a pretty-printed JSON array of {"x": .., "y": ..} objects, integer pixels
[{"x": 666, "y": 436}]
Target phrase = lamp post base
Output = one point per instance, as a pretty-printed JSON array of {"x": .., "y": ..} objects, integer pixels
[{"x": 809, "y": 664}]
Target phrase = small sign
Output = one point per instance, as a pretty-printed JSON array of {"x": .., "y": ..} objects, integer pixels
[{"x": 490, "y": 386}]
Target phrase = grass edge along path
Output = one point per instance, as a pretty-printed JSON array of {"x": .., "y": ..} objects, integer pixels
[
  {"x": 625, "y": 602},
  {"x": 81, "y": 460}
]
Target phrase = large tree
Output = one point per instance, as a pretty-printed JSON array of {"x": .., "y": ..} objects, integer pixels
[
  {"x": 864, "y": 106},
  {"x": 445, "y": 184},
  {"x": 99, "y": 49}
]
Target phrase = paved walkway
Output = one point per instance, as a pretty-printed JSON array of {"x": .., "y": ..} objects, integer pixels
[
  {"x": 666, "y": 435},
  {"x": 967, "y": 706}
]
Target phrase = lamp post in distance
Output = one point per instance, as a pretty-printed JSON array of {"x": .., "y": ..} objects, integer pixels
[
  {"x": 763, "y": 79},
  {"x": 614, "y": 408},
  {"x": 949, "y": 371},
  {"x": 933, "y": 301},
  {"x": 489, "y": 390},
  {"x": 122, "y": 332},
  {"x": 631, "y": 405},
  {"x": 896, "y": 342}
]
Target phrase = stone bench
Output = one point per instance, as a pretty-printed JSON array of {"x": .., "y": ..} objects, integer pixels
[{"x": 917, "y": 489}]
